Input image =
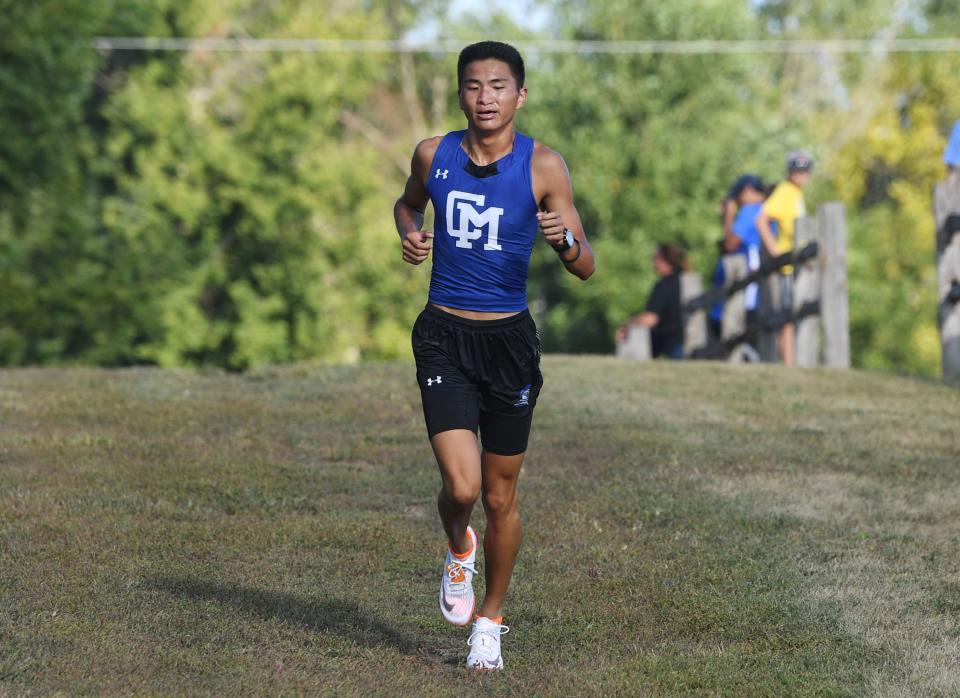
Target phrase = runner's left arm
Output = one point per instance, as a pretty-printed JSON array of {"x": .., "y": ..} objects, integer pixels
[{"x": 554, "y": 192}]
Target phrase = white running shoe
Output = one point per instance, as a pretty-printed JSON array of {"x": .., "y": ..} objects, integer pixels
[
  {"x": 456, "y": 584},
  {"x": 485, "y": 645}
]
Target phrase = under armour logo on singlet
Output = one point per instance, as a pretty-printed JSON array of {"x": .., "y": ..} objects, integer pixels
[
  {"x": 466, "y": 226},
  {"x": 431, "y": 381},
  {"x": 441, "y": 173}
]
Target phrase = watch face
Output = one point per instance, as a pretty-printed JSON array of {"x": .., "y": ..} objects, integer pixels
[{"x": 568, "y": 238}]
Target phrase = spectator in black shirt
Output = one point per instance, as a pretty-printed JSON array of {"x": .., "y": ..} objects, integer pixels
[{"x": 663, "y": 314}]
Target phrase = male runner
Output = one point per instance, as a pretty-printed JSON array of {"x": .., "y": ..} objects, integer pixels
[{"x": 494, "y": 191}]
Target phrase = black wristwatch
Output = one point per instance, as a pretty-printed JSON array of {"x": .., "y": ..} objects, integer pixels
[{"x": 568, "y": 241}]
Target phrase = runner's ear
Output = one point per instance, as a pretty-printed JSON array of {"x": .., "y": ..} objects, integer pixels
[{"x": 522, "y": 97}]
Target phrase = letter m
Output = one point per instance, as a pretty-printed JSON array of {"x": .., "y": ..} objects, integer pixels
[{"x": 464, "y": 222}]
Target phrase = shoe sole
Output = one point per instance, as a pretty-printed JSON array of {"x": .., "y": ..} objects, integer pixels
[{"x": 485, "y": 669}]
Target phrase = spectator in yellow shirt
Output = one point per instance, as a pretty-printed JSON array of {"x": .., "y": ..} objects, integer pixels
[{"x": 784, "y": 206}]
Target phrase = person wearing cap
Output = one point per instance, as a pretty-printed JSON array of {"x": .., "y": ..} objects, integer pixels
[
  {"x": 747, "y": 190},
  {"x": 744, "y": 236},
  {"x": 783, "y": 208}
]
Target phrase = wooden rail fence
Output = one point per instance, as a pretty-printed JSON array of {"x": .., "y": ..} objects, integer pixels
[
  {"x": 946, "y": 212},
  {"x": 820, "y": 305}
]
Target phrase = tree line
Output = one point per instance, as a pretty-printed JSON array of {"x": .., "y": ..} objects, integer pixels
[{"x": 232, "y": 209}]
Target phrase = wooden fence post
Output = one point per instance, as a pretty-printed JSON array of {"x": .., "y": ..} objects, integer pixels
[
  {"x": 946, "y": 202},
  {"x": 946, "y": 211},
  {"x": 695, "y": 326},
  {"x": 834, "y": 301},
  {"x": 807, "y": 288},
  {"x": 734, "y": 320},
  {"x": 768, "y": 301},
  {"x": 637, "y": 344}
]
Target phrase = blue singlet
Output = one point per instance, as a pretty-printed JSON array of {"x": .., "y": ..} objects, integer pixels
[{"x": 484, "y": 229}]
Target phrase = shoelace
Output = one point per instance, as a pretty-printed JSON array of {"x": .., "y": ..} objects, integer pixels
[
  {"x": 452, "y": 571},
  {"x": 490, "y": 633}
]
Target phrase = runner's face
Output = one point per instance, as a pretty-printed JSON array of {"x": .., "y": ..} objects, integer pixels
[{"x": 489, "y": 96}]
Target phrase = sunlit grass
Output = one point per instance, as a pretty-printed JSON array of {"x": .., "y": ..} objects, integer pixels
[{"x": 688, "y": 529}]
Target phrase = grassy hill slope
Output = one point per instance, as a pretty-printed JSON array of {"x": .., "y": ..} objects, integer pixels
[{"x": 688, "y": 529}]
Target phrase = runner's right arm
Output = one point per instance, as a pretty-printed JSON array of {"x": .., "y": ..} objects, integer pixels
[{"x": 408, "y": 211}]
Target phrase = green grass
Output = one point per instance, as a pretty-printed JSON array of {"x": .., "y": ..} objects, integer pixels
[{"x": 688, "y": 529}]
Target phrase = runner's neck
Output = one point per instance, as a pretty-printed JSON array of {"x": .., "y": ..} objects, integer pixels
[{"x": 484, "y": 149}]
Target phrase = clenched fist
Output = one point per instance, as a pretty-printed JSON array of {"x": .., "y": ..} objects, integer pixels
[
  {"x": 552, "y": 227},
  {"x": 417, "y": 245}
]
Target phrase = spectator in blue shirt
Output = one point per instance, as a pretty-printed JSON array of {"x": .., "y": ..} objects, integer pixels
[
  {"x": 740, "y": 209},
  {"x": 951, "y": 156},
  {"x": 744, "y": 236}
]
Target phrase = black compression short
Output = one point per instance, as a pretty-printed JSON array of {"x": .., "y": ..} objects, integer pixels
[{"x": 479, "y": 374}]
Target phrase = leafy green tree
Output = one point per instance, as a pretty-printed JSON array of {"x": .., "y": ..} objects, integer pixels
[
  {"x": 886, "y": 176},
  {"x": 49, "y": 270},
  {"x": 251, "y": 182},
  {"x": 652, "y": 142},
  {"x": 232, "y": 208},
  {"x": 65, "y": 291}
]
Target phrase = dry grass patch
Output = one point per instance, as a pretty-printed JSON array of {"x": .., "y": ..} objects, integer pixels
[{"x": 885, "y": 556}]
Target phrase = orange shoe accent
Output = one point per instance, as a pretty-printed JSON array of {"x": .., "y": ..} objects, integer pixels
[
  {"x": 462, "y": 556},
  {"x": 457, "y": 575},
  {"x": 498, "y": 620}
]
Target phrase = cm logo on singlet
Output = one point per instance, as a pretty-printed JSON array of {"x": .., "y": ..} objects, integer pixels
[{"x": 465, "y": 223}]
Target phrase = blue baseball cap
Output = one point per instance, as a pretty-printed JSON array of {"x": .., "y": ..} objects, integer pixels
[
  {"x": 951, "y": 155},
  {"x": 744, "y": 181}
]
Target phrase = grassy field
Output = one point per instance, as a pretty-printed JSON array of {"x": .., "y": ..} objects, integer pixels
[{"x": 689, "y": 529}]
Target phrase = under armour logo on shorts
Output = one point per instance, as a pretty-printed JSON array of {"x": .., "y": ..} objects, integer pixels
[
  {"x": 524, "y": 397},
  {"x": 431, "y": 381}
]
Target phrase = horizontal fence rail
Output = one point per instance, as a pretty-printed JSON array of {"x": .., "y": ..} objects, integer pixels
[
  {"x": 771, "y": 322},
  {"x": 817, "y": 307},
  {"x": 954, "y": 296},
  {"x": 767, "y": 268},
  {"x": 547, "y": 46}
]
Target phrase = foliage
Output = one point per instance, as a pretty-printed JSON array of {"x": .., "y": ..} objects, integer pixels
[
  {"x": 254, "y": 201},
  {"x": 627, "y": 126},
  {"x": 886, "y": 174},
  {"x": 50, "y": 269},
  {"x": 233, "y": 209}
]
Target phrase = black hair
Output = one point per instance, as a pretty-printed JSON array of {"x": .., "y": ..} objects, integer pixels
[
  {"x": 497, "y": 50},
  {"x": 674, "y": 256}
]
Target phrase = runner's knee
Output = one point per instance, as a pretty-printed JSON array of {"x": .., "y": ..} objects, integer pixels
[
  {"x": 500, "y": 500},
  {"x": 461, "y": 492}
]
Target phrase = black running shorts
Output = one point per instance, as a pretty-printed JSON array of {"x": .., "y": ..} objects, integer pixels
[{"x": 479, "y": 374}]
